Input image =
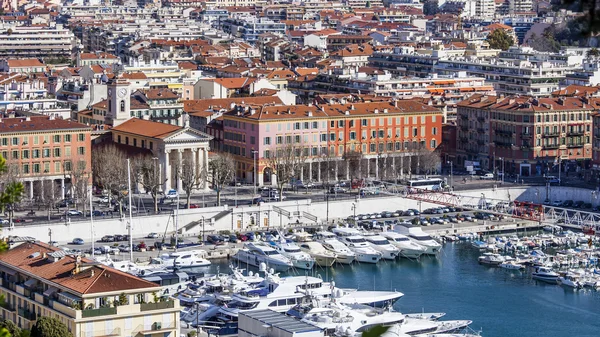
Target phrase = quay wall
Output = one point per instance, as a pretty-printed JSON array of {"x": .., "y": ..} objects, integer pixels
[{"x": 246, "y": 218}]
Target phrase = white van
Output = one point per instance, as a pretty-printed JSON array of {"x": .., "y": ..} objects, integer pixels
[{"x": 487, "y": 176}]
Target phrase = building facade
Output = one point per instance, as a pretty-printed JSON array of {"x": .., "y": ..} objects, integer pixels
[
  {"x": 45, "y": 150},
  {"x": 89, "y": 298},
  {"x": 26, "y": 41}
]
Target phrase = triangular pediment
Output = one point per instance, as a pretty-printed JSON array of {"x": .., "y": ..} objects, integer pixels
[{"x": 188, "y": 135}]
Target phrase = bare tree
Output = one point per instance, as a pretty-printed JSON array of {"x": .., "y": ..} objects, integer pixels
[
  {"x": 47, "y": 193},
  {"x": 222, "y": 170},
  {"x": 191, "y": 176},
  {"x": 109, "y": 165},
  {"x": 285, "y": 162},
  {"x": 79, "y": 174},
  {"x": 428, "y": 161},
  {"x": 146, "y": 172}
]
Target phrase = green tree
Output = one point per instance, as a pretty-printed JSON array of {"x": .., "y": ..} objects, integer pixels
[
  {"x": 499, "y": 39},
  {"x": 11, "y": 327},
  {"x": 12, "y": 190},
  {"x": 594, "y": 52},
  {"x": 5, "y": 333},
  {"x": 50, "y": 327}
]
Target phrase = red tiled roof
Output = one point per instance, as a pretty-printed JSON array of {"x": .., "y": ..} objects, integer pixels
[
  {"x": 233, "y": 83},
  {"x": 14, "y": 63},
  {"x": 37, "y": 124},
  {"x": 90, "y": 280},
  {"x": 147, "y": 128},
  {"x": 135, "y": 76}
]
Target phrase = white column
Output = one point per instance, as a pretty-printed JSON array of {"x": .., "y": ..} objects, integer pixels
[
  {"x": 360, "y": 168},
  {"x": 376, "y": 167},
  {"x": 368, "y": 167},
  {"x": 336, "y": 171},
  {"x": 195, "y": 165},
  {"x": 347, "y": 170},
  {"x": 179, "y": 164},
  {"x": 31, "y": 189},
  {"x": 167, "y": 164},
  {"x": 205, "y": 165},
  {"x": 394, "y": 167},
  {"x": 319, "y": 172},
  {"x": 402, "y": 167},
  {"x": 310, "y": 175},
  {"x": 385, "y": 167},
  {"x": 53, "y": 187},
  {"x": 62, "y": 188},
  {"x": 42, "y": 190},
  {"x": 301, "y": 172}
]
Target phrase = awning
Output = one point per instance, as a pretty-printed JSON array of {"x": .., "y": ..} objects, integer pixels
[
  {"x": 466, "y": 89},
  {"x": 30, "y": 283},
  {"x": 8, "y": 270},
  {"x": 50, "y": 291},
  {"x": 436, "y": 91}
]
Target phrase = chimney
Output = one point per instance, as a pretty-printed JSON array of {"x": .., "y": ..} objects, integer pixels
[
  {"x": 376, "y": 111},
  {"x": 28, "y": 119},
  {"x": 385, "y": 110},
  {"x": 347, "y": 113},
  {"x": 309, "y": 114},
  {"x": 92, "y": 273},
  {"x": 352, "y": 107},
  {"x": 252, "y": 111}
]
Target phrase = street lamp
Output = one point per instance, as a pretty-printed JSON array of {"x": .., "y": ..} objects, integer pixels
[
  {"x": 502, "y": 159},
  {"x": 202, "y": 239},
  {"x": 354, "y": 211},
  {"x": 50, "y": 235},
  {"x": 255, "y": 178},
  {"x": 451, "y": 178},
  {"x": 155, "y": 183}
]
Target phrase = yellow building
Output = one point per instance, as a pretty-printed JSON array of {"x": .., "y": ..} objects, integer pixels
[{"x": 92, "y": 300}]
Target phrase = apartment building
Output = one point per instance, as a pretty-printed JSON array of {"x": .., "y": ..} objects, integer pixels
[
  {"x": 249, "y": 28},
  {"x": 21, "y": 94},
  {"x": 91, "y": 299},
  {"x": 23, "y": 66},
  {"x": 45, "y": 150},
  {"x": 326, "y": 133},
  {"x": 528, "y": 134},
  {"x": 89, "y": 59},
  {"x": 35, "y": 42}
]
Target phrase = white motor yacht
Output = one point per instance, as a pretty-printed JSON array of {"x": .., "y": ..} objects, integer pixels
[
  {"x": 300, "y": 259},
  {"x": 491, "y": 259},
  {"x": 330, "y": 242},
  {"x": 182, "y": 259},
  {"x": 382, "y": 245},
  {"x": 511, "y": 265},
  {"x": 417, "y": 235},
  {"x": 255, "y": 253},
  {"x": 172, "y": 282},
  {"x": 361, "y": 248},
  {"x": 571, "y": 280},
  {"x": 322, "y": 256},
  {"x": 408, "y": 248},
  {"x": 545, "y": 274}
]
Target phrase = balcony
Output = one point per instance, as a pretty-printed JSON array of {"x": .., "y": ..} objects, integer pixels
[
  {"x": 103, "y": 333},
  {"x": 98, "y": 312},
  {"x": 157, "y": 306},
  {"x": 571, "y": 146},
  {"x": 502, "y": 144},
  {"x": 551, "y": 146},
  {"x": 526, "y": 135},
  {"x": 64, "y": 309},
  {"x": 8, "y": 306},
  {"x": 505, "y": 133},
  {"x": 481, "y": 130},
  {"x": 575, "y": 133},
  {"x": 154, "y": 328},
  {"x": 550, "y": 134},
  {"x": 481, "y": 119},
  {"x": 19, "y": 289},
  {"x": 28, "y": 315}
]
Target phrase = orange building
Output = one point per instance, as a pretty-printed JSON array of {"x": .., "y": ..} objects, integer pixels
[{"x": 42, "y": 150}]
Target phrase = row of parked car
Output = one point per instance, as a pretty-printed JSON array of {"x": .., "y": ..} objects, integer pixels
[{"x": 574, "y": 204}]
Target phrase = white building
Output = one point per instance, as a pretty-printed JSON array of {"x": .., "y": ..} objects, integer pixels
[{"x": 24, "y": 41}]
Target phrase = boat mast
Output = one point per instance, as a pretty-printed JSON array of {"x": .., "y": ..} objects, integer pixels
[{"x": 130, "y": 206}]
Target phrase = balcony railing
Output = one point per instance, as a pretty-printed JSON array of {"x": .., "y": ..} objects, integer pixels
[
  {"x": 551, "y": 134},
  {"x": 157, "y": 306},
  {"x": 27, "y": 314},
  {"x": 526, "y": 135},
  {"x": 99, "y": 312},
  {"x": 574, "y": 145},
  {"x": 104, "y": 333},
  {"x": 575, "y": 133},
  {"x": 7, "y": 306},
  {"x": 503, "y": 132},
  {"x": 551, "y": 146}
]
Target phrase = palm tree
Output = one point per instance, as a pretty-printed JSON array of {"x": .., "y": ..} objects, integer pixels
[{"x": 12, "y": 192}]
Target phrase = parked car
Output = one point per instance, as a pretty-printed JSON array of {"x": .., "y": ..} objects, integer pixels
[
  {"x": 552, "y": 180},
  {"x": 578, "y": 203},
  {"x": 487, "y": 176},
  {"x": 107, "y": 238},
  {"x": 124, "y": 248},
  {"x": 98, "y": 213},
  {"x": 78, "y": 241},
  {"x": 74, "y": 212},
  {"x": 172, "y": 194},
  {"x": 567, "y": 203},
  {"x": 152, "y": 235},
  {"x": 119, "y": 237},
  {"x": 64, "y": 203},
  {"x": 191, "y": 206},
  {"x": 215, "y": 239},
  {"x": 104, "y": 200},
  {"x": 336, "y": 190},
  {"x": 557, "y": 203},
  {"x": 233, "y": 238}
]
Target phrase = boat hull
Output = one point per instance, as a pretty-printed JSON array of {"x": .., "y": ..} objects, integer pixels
[
  {"x": 324, "y": 260},
  {"x": 367, "y": 257},
  {"x": 303, "y": 264},
  {"x": 345, "y": 259},
  {"x": 255, "y": 261}
]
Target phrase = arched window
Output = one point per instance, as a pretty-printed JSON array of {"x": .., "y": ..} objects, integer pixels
[{"x": 123, "y": 106}]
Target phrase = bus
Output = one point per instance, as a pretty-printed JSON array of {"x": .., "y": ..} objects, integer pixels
[{"x": 432, "y": 184}]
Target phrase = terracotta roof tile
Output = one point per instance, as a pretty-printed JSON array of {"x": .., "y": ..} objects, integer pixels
[
  {"x": 135, "y": 76},
  {"x": 147, "y": 128},
  {"x": 216, "y": 104},
  {"x": 14, "y": 63},
  {"x": 103, "y": 279},
  {"x": 233, "y": 83},
  {"x": 160, "y": 94},
  {"x": 37, "y": 123}
]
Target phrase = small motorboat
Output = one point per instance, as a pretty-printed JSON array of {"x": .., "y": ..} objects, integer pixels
[
  {"x": 491, "y": 259},
  {"x": 431, "y": 316},
  {"x": 511, "y": 265},
  {"x": 545, "y": 274},
  {"x": 570, "y": 280}
]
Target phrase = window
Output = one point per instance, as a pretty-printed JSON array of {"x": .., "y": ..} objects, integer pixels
[
  {"x": 15, "y": 155},
  {"x": 341, "y": 135},
  {"x": 57, "y": 152},
  {"x": 56, "y": 138},
  {"x": 372, "y": 148},
  {"x": 267, "y": 141},
  {"x": 306, "y": 125},
  {"x": 67, "y": 138},
  {"x": 279, "y": 140},
  {"x": 35, "y": 153},
  {"x": 352, "y": 135},
  {"x": 364, "y": 148},
  {"x": 315, "y": 125},
  {"x": 81, "y": 137},
  {"x": 57, "y": 167},
  {"x": 25, "y": 154},
  {"x": 81, "y": 150},
  {"x": 150, "y": 145},
  {"x": 332, "y": 124},
  {"x": 67, "y": 166},
  {"x": 36, "y": 168},
  {"x": 288, "y": 139},
  {"x": 314, "y": 151},
  {"x": 433, "y": 144},
  {"x": 398, "y": 146},
  {"x": 122, "y": 105},
  {"x": 433, "y": 118},
  {"x": 46, "y": 153},
  {"x": 297, "y": 139},
  {"x": 323, "y": 137},
  {"x": 422, "y": 119},
  {"x": 15, "y": 141},
  {"x": 143, "y": 143},
  {"x": 364, "y": 122},
  {"x": 434, "y": 131},
  {"x": 46, "y": 167},
  {"x": 415, "y": 132},
  {"x": 127, "y": 140},
  {"x": 26, "y": 168},
  {"x": 332, "y": 137},
  {"x": 267, "y": 154},
  {"x": 119, "y": 139},
  {"x": 422, "y": 131},
  {"x": 252, "y": 140},
  {"x": 340, "y": 124},
  {"x": 390, "y": 146},
  {"x": 67, "y": 152},
  {"x": 381, "y": 134},
  {"x": 268, "y": 128},
  {"x": 297, "y": 126},
  {"x": 135, "y": 142}
]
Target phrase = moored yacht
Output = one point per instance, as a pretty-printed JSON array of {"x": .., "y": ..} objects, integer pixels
[
  {"x": 361, "y": 248},
  {"x": 300, "y": 259},
  {"x": 417, "y": 235},
  {"x": 182, "y": 259},
  {"x": 383, "y": 246},
  {"x": 322, "y": 256},
  {"x": 571, "y": 280},
  {"x": 255, "y": 253},
  {"x": 408, "y": 248},
  {"x": 330, "y": 242},
  {"x": 545, "y": 274},
  {"x": 491, "y": 259}
]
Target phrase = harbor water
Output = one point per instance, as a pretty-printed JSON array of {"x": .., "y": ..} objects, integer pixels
[{"x": 501, "y": 303}]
